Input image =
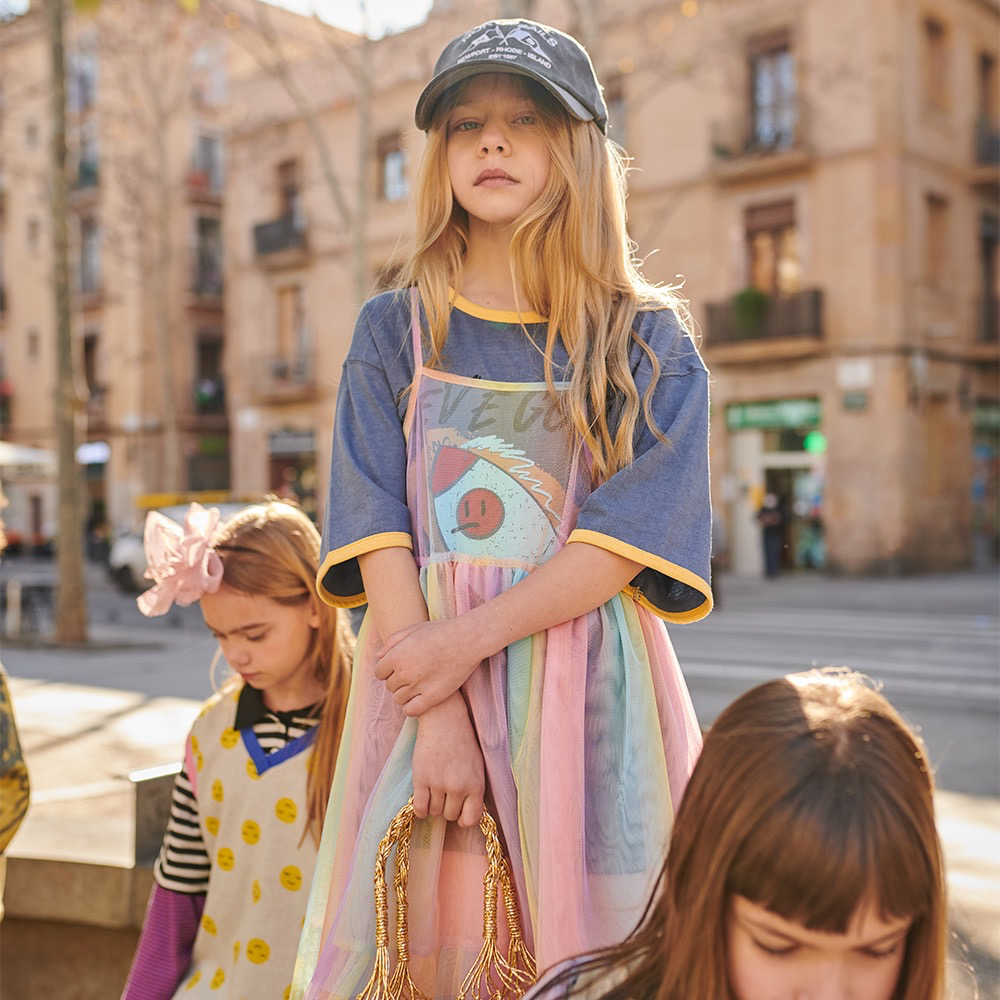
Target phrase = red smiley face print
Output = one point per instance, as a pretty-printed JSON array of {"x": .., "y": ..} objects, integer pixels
[{"x": 480, "y": 513}]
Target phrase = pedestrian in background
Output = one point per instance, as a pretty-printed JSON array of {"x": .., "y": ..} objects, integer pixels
[
  {"x": 521, "y": 456},
  {"x": 771, "y": 518},
  {"x": 804, "y": 862},
  {"x": 233, "y": 873}
]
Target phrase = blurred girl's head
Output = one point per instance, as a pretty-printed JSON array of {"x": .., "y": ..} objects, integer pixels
[
  {"x": 811, "y": 802},
  {"x": 804, "y": 859},
  {"x": 270, "y": 556}
]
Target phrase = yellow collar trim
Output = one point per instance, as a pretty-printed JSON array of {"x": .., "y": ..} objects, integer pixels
[{"x": 493, "y": 315}]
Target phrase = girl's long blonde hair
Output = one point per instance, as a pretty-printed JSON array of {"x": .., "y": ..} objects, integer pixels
[
  {"x": 812, "y": 797},
  {"x": 572, "y": 256},
  {"x": 272, "y": 550}
]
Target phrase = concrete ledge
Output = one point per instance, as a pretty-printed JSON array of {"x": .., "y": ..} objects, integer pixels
[{"x": 73, "y": 892}]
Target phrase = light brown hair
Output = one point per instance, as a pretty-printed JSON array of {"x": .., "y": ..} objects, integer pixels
[
  {"x": 272, "y": 550},
  {"x": 811, "y": 798},
  {"x": 572, "y": 256}
]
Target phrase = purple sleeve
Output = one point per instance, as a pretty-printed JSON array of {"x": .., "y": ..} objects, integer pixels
[{"x": 163, "y": 954}]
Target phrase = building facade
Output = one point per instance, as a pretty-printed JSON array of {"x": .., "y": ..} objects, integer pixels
[{"x": 822, "y": 175}]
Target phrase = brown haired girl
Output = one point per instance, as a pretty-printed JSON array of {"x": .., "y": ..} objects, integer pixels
[
  {"x": 804, "y": 862},
  {"x": 248, "y": 806}
]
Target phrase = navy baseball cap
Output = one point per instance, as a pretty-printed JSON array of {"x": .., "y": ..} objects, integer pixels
[{"x": 552, "y": 58}]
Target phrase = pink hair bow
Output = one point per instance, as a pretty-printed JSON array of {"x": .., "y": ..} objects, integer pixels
[{"x": 180, "y": 559}]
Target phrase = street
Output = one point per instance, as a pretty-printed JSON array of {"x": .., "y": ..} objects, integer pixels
[{"x": 127, "y": 699}]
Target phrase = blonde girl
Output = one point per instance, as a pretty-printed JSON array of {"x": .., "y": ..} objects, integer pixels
[
  {"x": 519, "y": 490},
  {"x": 232, "y": 877},
  {"x": 804, "y": 862}
]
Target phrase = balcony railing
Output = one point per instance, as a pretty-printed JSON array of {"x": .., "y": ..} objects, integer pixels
[
  {"x": 285, "y": 233},
  {"x": 210, "y": 395},
  {"x": 988, "y": 320},
  {"x": 283, "y": 376},
  {"x": 799, "y": 315},
  {"x": 206, "y": 280},
  {"x": 753, "y": 135},
  {"x": 87, "y": 175},
  {"x": 987, "y": 143},
  {"x": 97, "y": 407}
]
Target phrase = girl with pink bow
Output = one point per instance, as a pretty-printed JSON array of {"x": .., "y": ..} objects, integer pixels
[{"x": 233, "y": 874}]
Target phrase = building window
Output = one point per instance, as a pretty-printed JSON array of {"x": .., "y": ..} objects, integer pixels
[
  {"x": 206, "y": 163},
  {"x": 773, "y": 101},
  {"x": 989, "y": 264},
  {"x": 289, "y": 191},
  {"x": 392, "y": 183},
  {"x": 773, "y": 256},
  {"x": 208, "y": 256},
  {"x": 90, "y": 347},
  {"x": 209, "y": 86},
  {"x": 614, "y": 98},
  {"x": 88, "y": 157},
  {"x": 987, "y": 123},
  {"x": 209, "y": 386},
  {"x": 81, "y": 81},
  {"x": 936, "y": 236},
  {"x": 935, "y": 60},
  {"x": 90, "y": 256},
  {"x": 293, "y": 334},
  {"x": 33, "y": 344}
]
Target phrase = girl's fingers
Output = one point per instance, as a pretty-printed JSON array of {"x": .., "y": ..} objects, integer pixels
[
  {"x": 421, "y": 801},
  {"x": 436, "y": 807},
  {"x": 472, "y": 812},
  {"x": 452, "y": 807}
]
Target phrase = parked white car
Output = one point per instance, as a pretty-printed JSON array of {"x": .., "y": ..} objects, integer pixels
[{"x": 127, "y": 557}]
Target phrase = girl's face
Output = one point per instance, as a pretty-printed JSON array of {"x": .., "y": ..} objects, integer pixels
[
  {"x": 267, "y": 644},
  {"x": 498, "y": 157},
  {"x": 771, "y": 958}
]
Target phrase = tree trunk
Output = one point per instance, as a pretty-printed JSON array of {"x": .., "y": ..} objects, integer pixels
[{"x": 71, "y": 590}]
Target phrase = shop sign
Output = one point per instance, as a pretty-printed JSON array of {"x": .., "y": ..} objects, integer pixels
[
  {"x": 291, "y": 442},
  {"x": 773, "y": 413}
]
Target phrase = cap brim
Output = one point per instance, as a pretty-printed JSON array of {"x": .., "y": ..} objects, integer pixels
[{"x": 424, "y": 112}]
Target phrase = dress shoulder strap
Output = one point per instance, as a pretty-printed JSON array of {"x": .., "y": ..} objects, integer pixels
[{"x": 415, "y": 331}]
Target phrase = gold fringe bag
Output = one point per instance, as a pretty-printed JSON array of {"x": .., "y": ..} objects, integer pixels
[{"x": 493, "y": 976}]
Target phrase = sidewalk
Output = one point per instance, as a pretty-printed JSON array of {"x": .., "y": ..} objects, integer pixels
[{"x": 91, "y": 716}]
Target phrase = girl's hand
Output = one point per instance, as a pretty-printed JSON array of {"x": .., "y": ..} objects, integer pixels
[
  {"x": 425, "y": 663},
  {"x": 448, "y": 772}
]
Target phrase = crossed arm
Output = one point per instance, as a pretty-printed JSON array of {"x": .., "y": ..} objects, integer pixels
[{"x": 424, "y": 663}]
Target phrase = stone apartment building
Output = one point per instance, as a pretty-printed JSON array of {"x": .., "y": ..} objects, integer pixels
[
  {"x": 149, "y": 103},
  {"x": 822, "y": 174}
]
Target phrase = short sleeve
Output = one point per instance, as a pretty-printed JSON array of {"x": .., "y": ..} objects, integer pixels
[
  {"x": 657, "y": 511},
  {"x": 367, "y": 507}
]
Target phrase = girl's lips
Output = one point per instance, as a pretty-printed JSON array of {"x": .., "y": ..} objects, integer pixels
[{"x": 494, "y": 178}]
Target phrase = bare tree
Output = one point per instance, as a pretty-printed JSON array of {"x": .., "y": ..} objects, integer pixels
[{"x": 71, "y": 594}]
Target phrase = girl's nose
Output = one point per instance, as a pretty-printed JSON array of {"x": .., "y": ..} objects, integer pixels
[{"x": 493, "y": 139}]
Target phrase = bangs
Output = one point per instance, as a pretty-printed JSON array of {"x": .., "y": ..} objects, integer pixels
[
  {"x": 834, "y": 844},
  {"x": 549, "y": 110}
]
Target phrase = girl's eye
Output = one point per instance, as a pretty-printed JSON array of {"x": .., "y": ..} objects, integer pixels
[
  {"x": 778, "y": 952},
  {"x": 882, "y": 952},
  {"x": 466, "y": 126},
  {"x": 257, "y": 636},
  {"x": 525, "y": 119}
]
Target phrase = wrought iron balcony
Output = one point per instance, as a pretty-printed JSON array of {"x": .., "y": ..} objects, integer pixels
[
  {"x": 988, "y": 320},
  {"x": 280, "y": 376},
  {"x": 285, "y": 233},
  {"x": 756, "y": 134},
  {"x": 987, "y": 143},
  {"x": 765, "y": 317},
  {"x": 210, "y": 395}
]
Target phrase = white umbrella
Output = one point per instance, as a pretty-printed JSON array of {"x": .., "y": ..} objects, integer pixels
[{"x": 20, "y": 454}]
